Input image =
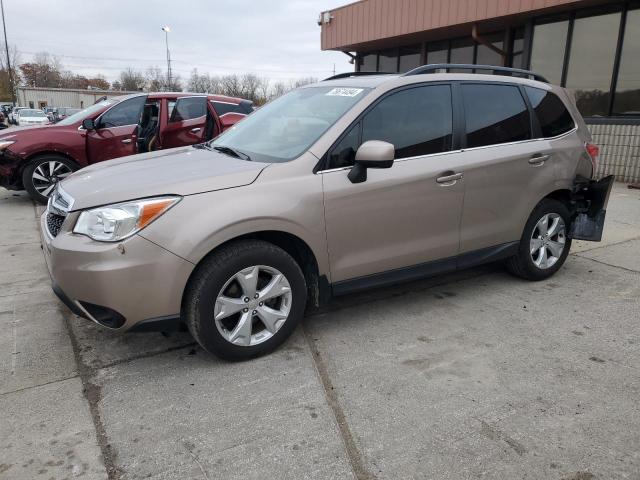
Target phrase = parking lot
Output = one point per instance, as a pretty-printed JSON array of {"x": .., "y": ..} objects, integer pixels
[{"x": 471, "y": 375}]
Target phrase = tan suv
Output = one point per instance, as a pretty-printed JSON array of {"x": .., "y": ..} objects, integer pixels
[{"x": 355, "y": 182}]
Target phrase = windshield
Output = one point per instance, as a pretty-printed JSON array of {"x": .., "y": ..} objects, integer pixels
[
  {"x": 87, "y": 112},
  {"x": 32, "y": 113},
  {"x": 288, "y": 126}
]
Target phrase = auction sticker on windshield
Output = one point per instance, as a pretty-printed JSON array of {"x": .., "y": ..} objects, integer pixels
[{"x": 344, "y": 92}]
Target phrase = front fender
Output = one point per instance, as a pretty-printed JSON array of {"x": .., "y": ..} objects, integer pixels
[{"x": 202, "y": 222}]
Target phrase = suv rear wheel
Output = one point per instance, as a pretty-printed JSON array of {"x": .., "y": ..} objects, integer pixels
[
  {"x": 245, "y": 300},
  {"x": 42, "y": 174},
  {"x": 545, "y": 244}
]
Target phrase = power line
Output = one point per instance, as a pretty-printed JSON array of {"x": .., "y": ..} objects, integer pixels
[{"x": 156, "y": 62}]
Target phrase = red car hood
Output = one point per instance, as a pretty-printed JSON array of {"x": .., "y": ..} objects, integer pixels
[{"x": 179, "y": 171}]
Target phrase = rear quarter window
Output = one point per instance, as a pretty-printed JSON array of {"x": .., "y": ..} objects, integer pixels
[{"x": 553, "y": 116}]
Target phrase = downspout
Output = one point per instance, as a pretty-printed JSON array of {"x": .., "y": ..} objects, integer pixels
[{"x": 476, "y": 36}]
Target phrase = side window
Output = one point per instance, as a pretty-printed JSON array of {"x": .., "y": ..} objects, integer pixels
[
  {"x": 227, "y": 107},
  {"x": 494, "y": 114},
  {"x": 127, "y": 112},
  {"x": 552, "y": 115},
  {"x": 344, "y": 153},
  {"x": 417, "y": 121},
  {"x": 188, "y": 108},
  {"x": 171, "y": 105}
]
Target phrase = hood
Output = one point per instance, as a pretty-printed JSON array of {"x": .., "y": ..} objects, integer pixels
[
  {"x": 26, "y": 130},
  {"x": 179, "y": 171}
]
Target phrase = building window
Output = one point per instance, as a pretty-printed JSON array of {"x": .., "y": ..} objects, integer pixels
[
  {"x": 593, "y": 51},
  {"x": 461, "y": 52},
  {"x": 486, "y": 56},
  {"x": 438, "y": 52},
  {"x": 369, "y": 62},
  {"x": 409, "y": 58},
  {"x": 517, "y": 50},
  {"x": 547, "y": 51},
  {"x": 627, "y": 95},
  {"x": 388, "y": 61}
]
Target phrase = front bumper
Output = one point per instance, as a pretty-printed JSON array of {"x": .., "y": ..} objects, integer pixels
[
  {"x": 133, "y": 284},
  {"x": 10, "y": 171}
]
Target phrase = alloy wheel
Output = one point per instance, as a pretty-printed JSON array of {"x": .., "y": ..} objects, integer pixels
[
  {"x": 253, "y": 305},
  {"x": 548, "y": 240},
  {"x": 46, "y": 175}
]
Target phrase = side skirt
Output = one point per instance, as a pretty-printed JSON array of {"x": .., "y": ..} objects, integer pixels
[{"x": 427, "y": 269}]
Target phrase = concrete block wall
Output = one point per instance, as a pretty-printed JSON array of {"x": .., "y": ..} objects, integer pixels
[{"x": 619, "y": 151}]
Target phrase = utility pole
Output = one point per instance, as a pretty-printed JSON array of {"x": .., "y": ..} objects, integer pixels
[
  {"x": 166, "y": 31},
  {"x": 6, "y": 46}
]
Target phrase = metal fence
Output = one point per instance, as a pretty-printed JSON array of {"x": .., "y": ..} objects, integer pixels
[{"x": 619, "y": 151}]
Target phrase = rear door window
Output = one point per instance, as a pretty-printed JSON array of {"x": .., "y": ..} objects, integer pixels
[
  {"x": 553, "y": 116},
  {"x": 495, "y": 114},
  {"x": 127, "y": 112},
  {"x": 188, "y": 108}
]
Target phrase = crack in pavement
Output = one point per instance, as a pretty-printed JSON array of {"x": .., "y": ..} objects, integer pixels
[
  {"x": 144, "y": 355},
  {"x": 605, "y": 246},
  {"x": 609, "y": 264},
  {"x": 38, "y": 385},
  {"x": 356, "y": 462},
  {"x": 92, "y": 393}
]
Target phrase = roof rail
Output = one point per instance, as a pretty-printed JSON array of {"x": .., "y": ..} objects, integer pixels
[
  {"x": 434, "y": 67},
  {"x": 356, "y": 74}
]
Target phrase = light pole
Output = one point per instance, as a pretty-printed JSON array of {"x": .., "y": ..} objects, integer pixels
[
  {"x": 166, "y": 31},
  {"x": 6, "y": 45}
]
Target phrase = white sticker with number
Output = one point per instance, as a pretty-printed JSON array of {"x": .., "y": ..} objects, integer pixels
[{"x": 344, "y": 92}]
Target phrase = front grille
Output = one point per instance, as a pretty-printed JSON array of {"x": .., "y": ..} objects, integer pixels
[{"x": 54, "y": 223}]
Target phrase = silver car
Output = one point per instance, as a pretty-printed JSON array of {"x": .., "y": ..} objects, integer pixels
[{"x": 351, "y": 183}]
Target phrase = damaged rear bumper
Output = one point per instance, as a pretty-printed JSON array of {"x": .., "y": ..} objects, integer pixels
[{"x": 590, "y": 198}]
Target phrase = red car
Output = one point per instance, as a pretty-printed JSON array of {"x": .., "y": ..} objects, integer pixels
[{"x": 36, "y": 158}]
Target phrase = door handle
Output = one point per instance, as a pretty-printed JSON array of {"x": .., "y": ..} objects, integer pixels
[
  {"x": 195, "y": 130},
  {"x": 450, "y": 179},
  {"x": 126, "y": 140},
  {"x": 538, "y": 159}
]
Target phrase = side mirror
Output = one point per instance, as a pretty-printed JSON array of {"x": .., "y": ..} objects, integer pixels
[
  {"x": 371, "y": 154},
  {"x": 88, "y": 124}
]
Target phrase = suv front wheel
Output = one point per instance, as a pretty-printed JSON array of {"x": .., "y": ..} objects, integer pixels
[
  {"x": 545, "y": 243},
  {"x": 245, "y": 300}
]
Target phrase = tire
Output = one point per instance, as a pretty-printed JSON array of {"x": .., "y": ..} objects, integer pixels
[
  {"x": 51, "y": 168},
  {"x": 214, "y": 291},
  {"x": 530, "y": 263}
]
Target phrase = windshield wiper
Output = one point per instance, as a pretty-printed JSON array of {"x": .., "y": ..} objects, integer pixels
[{"x": 232, "y": 152}]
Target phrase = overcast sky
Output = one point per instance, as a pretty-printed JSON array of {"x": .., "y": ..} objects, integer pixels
[{"x": 278, "y": 39}]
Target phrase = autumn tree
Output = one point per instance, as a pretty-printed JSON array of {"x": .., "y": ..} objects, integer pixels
[
  {"x": 43, "y": 71},
  {"x": 5, "y": 84}
]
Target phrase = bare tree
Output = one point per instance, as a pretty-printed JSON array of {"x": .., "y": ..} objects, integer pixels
[
  {"x": 277, "y": 90},
  {"x": 301, "y": 82},
  {"x": 131, "y": 80},
  {"x": 155, "y": 79}
]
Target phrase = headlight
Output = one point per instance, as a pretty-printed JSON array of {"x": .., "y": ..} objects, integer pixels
[
  {"x": 116, "y": 222},
  {"x": 5, "y": 143}
]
